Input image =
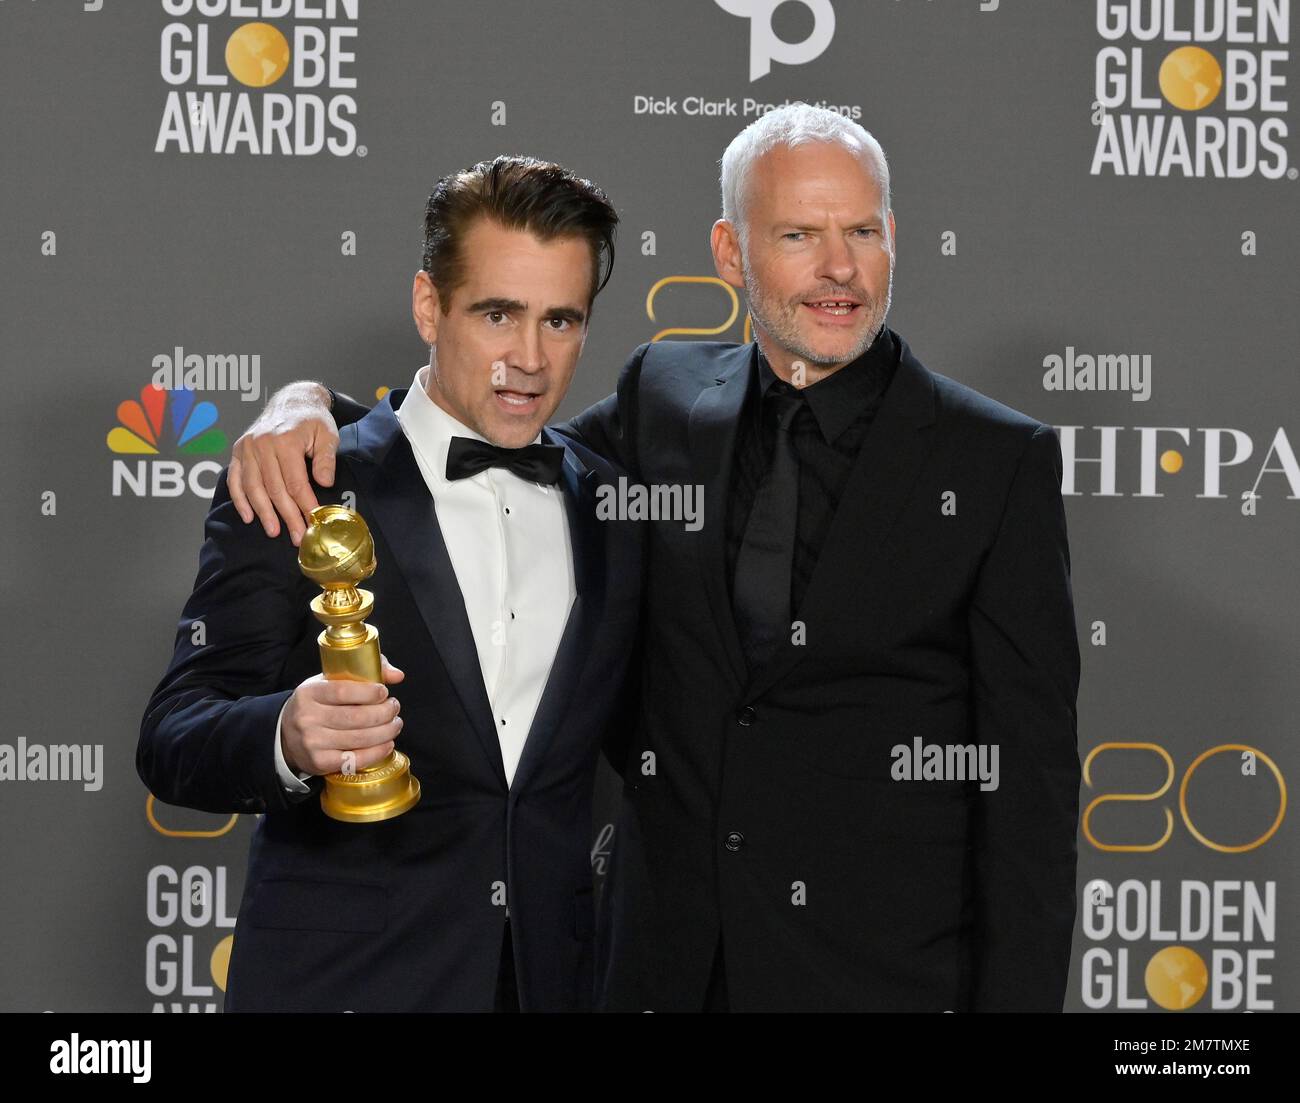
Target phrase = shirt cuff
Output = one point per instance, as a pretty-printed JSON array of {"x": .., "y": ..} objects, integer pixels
[{"x": 291, "y": 782}]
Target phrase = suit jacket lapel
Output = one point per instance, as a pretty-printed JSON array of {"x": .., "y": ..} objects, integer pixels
[
  {"x": 896, "y": 445},
  {"x": 397, "y": 501},
  {"x": 577, "y": 484},
  {"x": 712, "y": 433}
]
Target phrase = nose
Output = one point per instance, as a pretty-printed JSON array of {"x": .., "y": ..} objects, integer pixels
[
  {"x": 835, "y": 261},
  {"x": 530, "y": 356}
]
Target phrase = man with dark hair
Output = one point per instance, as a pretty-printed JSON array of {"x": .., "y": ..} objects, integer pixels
[
  {"x": 856, "y": 782},
  {"x": 515, "y": 611}
]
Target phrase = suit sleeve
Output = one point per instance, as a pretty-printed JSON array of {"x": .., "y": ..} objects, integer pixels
[
  {"x": 345, "y": 408},
  {"x": 609, "y": 427},
  {"x": 1025, "y": 680},
  {"x": 207, "y": 739}
]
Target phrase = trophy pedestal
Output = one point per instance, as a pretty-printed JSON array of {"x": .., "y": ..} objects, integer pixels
[{"x": 379, "y": 792}]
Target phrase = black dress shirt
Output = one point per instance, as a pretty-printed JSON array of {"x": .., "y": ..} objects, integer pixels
[{"x": 827, "y": 434}]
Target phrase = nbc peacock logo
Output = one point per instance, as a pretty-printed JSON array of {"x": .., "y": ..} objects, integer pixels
[{"x": 172, "y": 419}]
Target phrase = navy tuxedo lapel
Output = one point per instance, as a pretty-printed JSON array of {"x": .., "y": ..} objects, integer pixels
[
  {"x": 577, "y": 484},
  {"x": 898, "y": 441},
  {"x": 714, "y": 419},
  {"x": 396, "y": 500}
]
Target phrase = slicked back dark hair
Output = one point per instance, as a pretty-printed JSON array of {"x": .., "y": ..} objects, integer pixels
[{"x": 518, "y": 193}]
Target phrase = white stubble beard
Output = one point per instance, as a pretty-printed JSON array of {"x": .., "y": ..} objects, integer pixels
[{"x": 780, "y": 325}]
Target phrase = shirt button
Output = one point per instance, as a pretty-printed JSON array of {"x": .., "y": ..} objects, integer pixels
[
  {"x": 735, "y": 840},
  {"x": 746, "y": 716},
  {"x": 512, "y": 614},
  {"x": 507, "y": 509},
  {"x": 503, "y": 721}
]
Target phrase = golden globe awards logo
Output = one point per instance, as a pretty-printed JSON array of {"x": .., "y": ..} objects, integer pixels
[
  {"x": 1192, "y": 88},
  {"x": 242, "y": 84},
  {"x": 1176, "y": 944},
  {"x": 1179, "y": 945},
  {"x": 187, "y": 958}
]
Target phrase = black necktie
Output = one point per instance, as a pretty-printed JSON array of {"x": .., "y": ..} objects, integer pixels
[
  {"x": 538, "y": 463},
  {"x": 761, "y": 587}
]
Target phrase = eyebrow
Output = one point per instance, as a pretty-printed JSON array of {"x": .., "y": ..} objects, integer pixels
[
  {"x": 569, "y": 313},
  {"x": 870, "y": 220}
]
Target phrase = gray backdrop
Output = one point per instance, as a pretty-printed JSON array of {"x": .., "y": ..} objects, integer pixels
[{"x": 1016, "y": 243}]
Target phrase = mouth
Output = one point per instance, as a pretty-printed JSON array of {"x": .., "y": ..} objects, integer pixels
[
  {"x": 834, "y": 311},
  {"x": 518, "y": 403}
]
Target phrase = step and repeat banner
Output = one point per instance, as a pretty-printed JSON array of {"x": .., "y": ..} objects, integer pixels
[{"x": 1096, "y": 224}]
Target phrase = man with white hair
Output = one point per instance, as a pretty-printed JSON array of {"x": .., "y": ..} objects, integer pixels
[{"x": 853, "y": 782}]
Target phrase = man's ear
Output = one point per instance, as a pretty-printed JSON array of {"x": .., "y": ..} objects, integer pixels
[
  {"x": 725, "y": 244},
  {"x": 426, "y": 307}
]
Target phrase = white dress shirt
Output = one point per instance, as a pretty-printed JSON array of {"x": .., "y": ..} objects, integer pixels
[{"x": 510, "y": 547}]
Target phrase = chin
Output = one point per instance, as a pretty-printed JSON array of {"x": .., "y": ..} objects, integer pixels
[
  {"x": 514, "y": 435},
  {"x": 825, "y": 355}
]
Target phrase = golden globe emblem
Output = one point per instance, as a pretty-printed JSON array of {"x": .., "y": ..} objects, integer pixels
[
  {"x": 1176, "y": 978},
  {"x": 1190, "y": 78},
  {"x": 336, "y": 552},
  {"x": 257, "y": 54},
  {"x": 219, "y": 962}
]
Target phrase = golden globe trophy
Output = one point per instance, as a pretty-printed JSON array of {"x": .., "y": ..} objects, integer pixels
[{"x": 337, "y": 552}]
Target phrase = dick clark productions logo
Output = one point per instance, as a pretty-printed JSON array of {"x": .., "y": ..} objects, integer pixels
[{"x": 766, "y": 47}]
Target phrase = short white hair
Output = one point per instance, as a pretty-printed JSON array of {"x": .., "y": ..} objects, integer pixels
[{"x": 789, "y": 126}]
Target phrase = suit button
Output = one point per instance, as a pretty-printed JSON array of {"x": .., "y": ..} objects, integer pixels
[
  {"x": 735, "y": 840},
  {"x": 746, "y": 716}
]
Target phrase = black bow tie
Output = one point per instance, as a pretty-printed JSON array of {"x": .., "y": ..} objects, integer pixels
[{"x": 538, "y": 463}]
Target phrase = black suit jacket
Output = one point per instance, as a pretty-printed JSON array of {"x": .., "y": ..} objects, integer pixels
[
  {"x": 404, "y": 914},
  {"x": 760, "y": 805}
]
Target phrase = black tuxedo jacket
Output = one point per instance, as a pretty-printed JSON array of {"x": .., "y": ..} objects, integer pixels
[
  {"x": 760, "y": 804},
  {"x": 405, "y": 914}
]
